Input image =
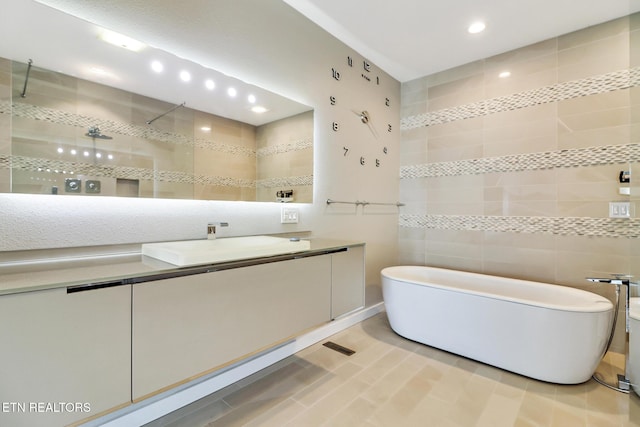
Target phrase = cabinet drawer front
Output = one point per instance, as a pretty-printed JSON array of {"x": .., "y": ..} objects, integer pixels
[
  {"x": 59, "y": 347},
  {"x": 347, "y": 284},
  {"x": 185, "y": 327}
]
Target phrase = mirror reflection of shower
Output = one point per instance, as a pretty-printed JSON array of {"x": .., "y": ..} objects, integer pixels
[{"x": 94, "y": 132}]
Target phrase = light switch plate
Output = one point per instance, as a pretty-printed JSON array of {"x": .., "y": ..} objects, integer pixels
[
  {"x": 288, "y": 215},
  {"x": 619, "y": 210}
]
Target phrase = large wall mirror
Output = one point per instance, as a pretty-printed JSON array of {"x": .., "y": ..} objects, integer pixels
[{"x": 84, "y": 115}]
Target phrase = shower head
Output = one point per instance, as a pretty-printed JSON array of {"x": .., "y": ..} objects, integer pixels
[{"x": 94, "y": 132}]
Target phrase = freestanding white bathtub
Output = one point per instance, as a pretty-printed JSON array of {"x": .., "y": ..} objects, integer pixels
[{"x": 547, "y": 332}]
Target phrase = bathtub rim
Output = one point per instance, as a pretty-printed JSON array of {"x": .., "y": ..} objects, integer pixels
[{"x": 601, "y": 304}]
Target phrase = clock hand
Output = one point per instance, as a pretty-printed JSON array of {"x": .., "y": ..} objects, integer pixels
[{"x": 366, "y": 119}]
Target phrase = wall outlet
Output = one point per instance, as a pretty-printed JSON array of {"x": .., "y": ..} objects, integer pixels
[
  {"x": 619, "y": 210},
  {"x": 288, "y": 216}
]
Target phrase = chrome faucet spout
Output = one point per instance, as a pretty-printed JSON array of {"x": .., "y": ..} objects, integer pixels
[{"x": 212, "y": 228}]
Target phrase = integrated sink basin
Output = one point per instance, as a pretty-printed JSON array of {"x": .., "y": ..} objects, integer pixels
[{"x": 195, "y": 252}]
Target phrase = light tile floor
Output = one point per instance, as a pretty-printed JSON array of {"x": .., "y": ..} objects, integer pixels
[{"x": 391, "y": 381}]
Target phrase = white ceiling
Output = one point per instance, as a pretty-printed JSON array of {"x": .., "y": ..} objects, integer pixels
[{"x": 414, "y": 38}]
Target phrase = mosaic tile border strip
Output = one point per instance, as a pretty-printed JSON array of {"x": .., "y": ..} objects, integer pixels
[
  {"x": 562, "y": 226},
  {"x": 608, "y": 82},
  {"x": 50, "y": 115},
  {"x": 123, "y": 172},
  {"x": 287, "y": 181},
  {"x": 301, "y": 144},
  {"x": 590, "y": 156},
  {"x": 109, "y": 126}
]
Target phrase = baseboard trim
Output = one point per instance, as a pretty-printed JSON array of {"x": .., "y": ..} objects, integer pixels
[{"x": 146, "y": 411}]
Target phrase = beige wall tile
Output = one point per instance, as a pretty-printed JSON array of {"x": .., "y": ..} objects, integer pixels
[
  {"x": 521, "y": 138},
  {"x": 454, "y": 93},
  {"x": 595, "y": 33},
  {"x": 526, "y": 73},
  {"x": 610, "y": 118},
  {"x": 590, "y": 59},
  {"x": 614, "y": 135}
]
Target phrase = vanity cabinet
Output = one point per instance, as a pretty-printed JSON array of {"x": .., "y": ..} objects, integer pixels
[
  {"x": 65, "y": 356},
  {"x": 69, "y": 353},
  {"x": 189, "y": 326},
  {"x": 347, "y": 281}
]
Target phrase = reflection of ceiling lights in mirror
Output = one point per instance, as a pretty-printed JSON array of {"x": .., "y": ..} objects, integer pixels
[
  {"x": 157, "y": 66},
  {"x": 185, "y": 76},
  {"x": 126, "y": 70},
  {"x": 101, "y": 73},
  {"x": 121, "y": 40},
  {"x": 258, "y": 109},
  {"x": 476, "y": 27},
  {"x": 251, "y": 99},
  {"x": 232, "y": 92}
]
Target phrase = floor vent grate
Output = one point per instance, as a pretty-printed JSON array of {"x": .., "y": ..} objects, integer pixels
[{"x": 340, "y": 349}]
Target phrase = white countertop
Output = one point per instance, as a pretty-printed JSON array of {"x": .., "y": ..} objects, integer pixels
[{"x": 17, "y": 277}]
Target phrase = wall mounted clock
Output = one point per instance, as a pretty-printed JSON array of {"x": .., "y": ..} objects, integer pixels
[{"x": 362, "y": 114}]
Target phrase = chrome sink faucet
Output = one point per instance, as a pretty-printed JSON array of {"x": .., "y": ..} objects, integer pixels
[{"x": 212, "y": 227}]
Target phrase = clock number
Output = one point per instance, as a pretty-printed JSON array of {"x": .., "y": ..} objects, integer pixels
[
  {"x": 335, "y": 73},
  {"x": 332, "y": 100},
  {"x": 389, "y": 128},
  {"x": 377, "y": 163},
  {"x": 366, "y": 65},
  {"x": 349, "y": 61},
  {"x": 335, "y": 126},
  {"x": 362, "y": 161},
  {"x": 384, "y": 150},
  {"x": 346, "y": 150},
  {"x": 387, "y": 102}
]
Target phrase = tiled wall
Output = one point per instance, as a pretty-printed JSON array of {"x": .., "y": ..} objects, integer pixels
[
  {"x": 285, "y": 145},
  {"x": 171, "y": 158},
  {"x": 512, "y": 176}
]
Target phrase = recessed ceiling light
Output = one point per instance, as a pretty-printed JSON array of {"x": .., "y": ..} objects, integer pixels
[
  {"x": 74, "y": 152},
  {"x": 205, "y": 129},
  {"x": 185, "y": 76},
  {"x": 251, "y": 99},
  {"x": 476, "y": 27},
  {"x": 209, "y": 84},
  {"x": 504, "y": 74},
  {"x": 60, "y": 150},
  {"x": 157, "y": 66},
  {"x": 120, "y": 40},
  {"x": 232, "y": 91},
  {"x": 258, "y": 109}
]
